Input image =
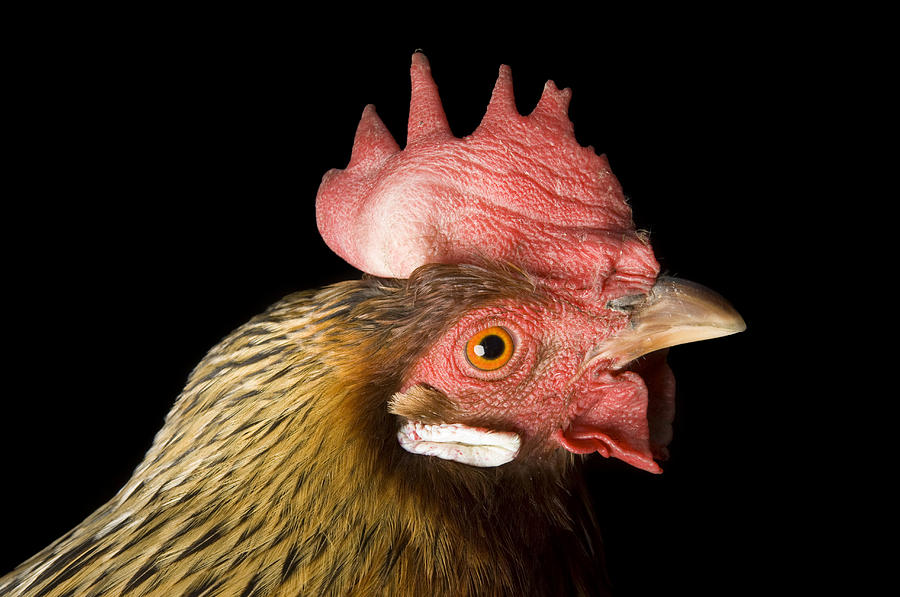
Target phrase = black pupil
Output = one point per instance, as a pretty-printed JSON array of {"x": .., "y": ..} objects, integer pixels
[{"x": 493, "y": 346}]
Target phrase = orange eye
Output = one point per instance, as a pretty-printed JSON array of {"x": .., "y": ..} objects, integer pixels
[{"x": 489, "y": 349}]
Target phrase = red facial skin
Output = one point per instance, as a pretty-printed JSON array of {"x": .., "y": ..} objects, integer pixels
[{"x": 544, "y": 393}]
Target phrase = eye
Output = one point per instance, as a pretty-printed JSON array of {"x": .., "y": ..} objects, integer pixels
[{"x": 489, "y": 349}]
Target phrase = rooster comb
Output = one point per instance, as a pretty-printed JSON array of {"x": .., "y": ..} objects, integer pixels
[{"x": 519, "y": 189}]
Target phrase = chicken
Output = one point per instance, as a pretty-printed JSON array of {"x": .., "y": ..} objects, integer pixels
[{"x": 416, "y": 431}]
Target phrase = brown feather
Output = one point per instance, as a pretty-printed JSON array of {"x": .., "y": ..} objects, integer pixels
[{"x": 278, "y": 473}]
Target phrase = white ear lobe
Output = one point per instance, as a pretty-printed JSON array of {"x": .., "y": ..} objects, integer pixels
[{"x": 467, "y": 445}]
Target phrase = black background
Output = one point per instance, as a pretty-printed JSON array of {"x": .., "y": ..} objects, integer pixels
[{"x": 165, "y": 168}]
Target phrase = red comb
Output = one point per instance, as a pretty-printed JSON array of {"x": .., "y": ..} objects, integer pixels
[{"x": 520, "y": 190}]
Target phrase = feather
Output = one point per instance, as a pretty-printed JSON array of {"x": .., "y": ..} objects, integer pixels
[{"x": 277, "y": 472}]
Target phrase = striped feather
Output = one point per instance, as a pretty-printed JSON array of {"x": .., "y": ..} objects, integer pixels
[{"x": 277, "y": 472}]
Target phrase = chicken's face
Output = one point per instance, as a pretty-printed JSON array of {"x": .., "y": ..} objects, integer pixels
[
  {"x": 521, "y": 367},
  {"x": 530, "y": 371}
]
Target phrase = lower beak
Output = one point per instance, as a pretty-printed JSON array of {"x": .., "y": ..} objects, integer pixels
[{"x": 673, "y": 312}]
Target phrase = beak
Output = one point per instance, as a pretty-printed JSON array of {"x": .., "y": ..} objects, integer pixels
[{"x": 673, "y": 312}]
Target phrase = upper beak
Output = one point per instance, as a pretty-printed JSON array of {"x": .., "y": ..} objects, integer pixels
[{"x": 673, "y": 312}]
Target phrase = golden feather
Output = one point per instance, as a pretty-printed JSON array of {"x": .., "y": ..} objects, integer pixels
[{"x": 277, "y": 472}]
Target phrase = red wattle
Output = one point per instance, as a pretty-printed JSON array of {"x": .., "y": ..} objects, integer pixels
[{"x": 585, "y": 439}]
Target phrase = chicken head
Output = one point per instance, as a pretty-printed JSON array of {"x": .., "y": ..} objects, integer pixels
[{"x": 574, "y": 355}]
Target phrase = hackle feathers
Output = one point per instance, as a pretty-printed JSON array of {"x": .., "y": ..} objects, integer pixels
[{"x": 277, "y": 472}]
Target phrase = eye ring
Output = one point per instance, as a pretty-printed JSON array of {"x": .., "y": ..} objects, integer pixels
[{"x": 490, "y": 349}]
